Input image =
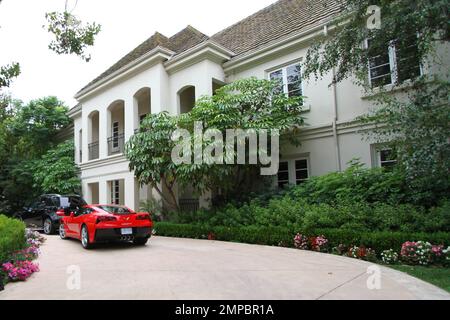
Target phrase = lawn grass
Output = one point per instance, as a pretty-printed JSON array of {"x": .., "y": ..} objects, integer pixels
[{"x": 439, "y": 276}]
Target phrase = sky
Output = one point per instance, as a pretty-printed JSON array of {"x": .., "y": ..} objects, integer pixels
[{"x": 125, "y": 24}]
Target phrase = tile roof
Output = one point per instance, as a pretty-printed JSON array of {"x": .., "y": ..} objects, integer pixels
[
  {"x": 185, "y": 39},
  {"x": 280, "y": 19}
]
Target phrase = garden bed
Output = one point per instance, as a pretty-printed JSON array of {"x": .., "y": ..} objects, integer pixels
[{"x": 18, "y": 248}]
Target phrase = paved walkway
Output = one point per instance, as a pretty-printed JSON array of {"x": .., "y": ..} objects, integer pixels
[{"x": 169, "y": 268}]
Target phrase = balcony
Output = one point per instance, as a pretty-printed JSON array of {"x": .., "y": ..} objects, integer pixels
[
  {"x": 116, "y": 144},
  {"x": 189, "y": 205},
  {"x": 94, "y": 151}
]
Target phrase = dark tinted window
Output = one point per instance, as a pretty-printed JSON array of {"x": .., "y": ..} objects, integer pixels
[{"x": 115, "y": 210}]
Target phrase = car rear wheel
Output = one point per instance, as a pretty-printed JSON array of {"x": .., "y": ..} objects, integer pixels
[
  {"x": 48, "y": 226},
  {"x": 85, "y": 238},
  {"x": 140, "y": 241},
  {"x": 62, "y": 232}
]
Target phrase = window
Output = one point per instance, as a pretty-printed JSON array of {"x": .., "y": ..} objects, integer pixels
[
  {"x": 290, "y": 79},
  {"x": 301, "y": 171},
  {"x": 386, "y": 158},
  {"x": 395, "y": 63},
  {"x": 115, "y": 134},
  {"x": 293, "y": 172},
  {"x": 283, "y": 174},
  {"x": 115, "y": 192}
]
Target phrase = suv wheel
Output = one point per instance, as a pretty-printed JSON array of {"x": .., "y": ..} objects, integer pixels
[{"x": 48, "y": 226}]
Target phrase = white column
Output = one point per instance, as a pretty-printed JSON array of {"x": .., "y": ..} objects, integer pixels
[
  {"x": 86, "y": 192},
  {"x": 131, "y": 192},
  {"x": 130, "y": 115},
  {"x": 103, "y": 192},
  {"x": 104, "y": 124},
  {"x": 84, "y": 147}
]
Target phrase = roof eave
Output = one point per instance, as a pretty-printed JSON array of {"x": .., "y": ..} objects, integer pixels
[
  {"x": 157, "y": 54},
  {"x": 209, "y": 49}
]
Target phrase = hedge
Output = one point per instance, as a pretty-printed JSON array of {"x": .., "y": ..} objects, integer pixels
[
  {"x": 275, "y": 236},
  {"x": 12, "y": 236}
]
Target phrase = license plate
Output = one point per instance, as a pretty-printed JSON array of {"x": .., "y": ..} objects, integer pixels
[{"x": 127, "y": 231}]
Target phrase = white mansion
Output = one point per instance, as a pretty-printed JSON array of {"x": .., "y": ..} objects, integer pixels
[{"x": 170, "y": 73}]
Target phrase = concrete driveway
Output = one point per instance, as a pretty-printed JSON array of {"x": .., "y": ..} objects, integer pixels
[{"x": 169, "y": 268}]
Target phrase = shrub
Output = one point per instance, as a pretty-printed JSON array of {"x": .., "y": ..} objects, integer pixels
[
  {"x": 389, "y": 256},
  {"x": 417, "y": 253},
  {"x": 319, "y": 243},
  {"x": 273, "y": 236},
  {"x": 12, "y": 236},
  {"x": 301, "y": 242}
]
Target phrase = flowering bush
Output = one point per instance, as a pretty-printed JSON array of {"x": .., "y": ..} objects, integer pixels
[
  {"x": 362, "y": 253},
  {"x": 417, "y": 253},
  {"x": 389, "y": 256},
  {"x": 29, "y": 253},
  {"x": 437, "y": 253},
  {"x": 319, "y": 243},
  {"x": 20, "y": 267},
  {"x": 34, "y": 238},
  {"x": 301, "y": 242},
  {"x": 446, "y": 258},
  {"x": 19, "y": 270}
]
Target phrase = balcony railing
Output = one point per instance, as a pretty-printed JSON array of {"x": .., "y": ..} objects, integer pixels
[
  {"x": 116, "y": 144},
  {"x": 94, "y": 150},
  {"x": 189, "y": 205}
]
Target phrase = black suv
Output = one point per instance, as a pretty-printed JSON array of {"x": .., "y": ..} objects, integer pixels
[{"x": 46, "y": 212}]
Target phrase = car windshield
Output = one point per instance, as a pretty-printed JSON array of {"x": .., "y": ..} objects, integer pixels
[
  {"x": 116, "y": 210},
  {"x": 71, "y": 201}
]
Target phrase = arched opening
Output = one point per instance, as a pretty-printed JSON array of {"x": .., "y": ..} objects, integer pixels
[
  {"x": 116, "y": 128},
  {"x": 143, "y": 105},
  {"x": 93, "y": 135},
  {"x": 186, "y": 99}
]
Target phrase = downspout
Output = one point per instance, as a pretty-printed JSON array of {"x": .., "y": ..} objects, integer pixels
[{"x": 335, "y": 119}]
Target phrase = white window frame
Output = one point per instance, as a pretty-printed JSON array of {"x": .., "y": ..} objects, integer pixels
[
  {"x": 392, "y": 54},
  {"x": 285, "y": 83},
  {"x": 292, "y": 170}
]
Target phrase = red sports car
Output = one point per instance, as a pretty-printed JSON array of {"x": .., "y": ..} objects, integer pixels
[{"x": 103, "y": 223}]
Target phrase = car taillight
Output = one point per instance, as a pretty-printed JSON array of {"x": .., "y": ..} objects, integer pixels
[
  {"x": 60, "y": 212},
  {"x": 144, "y": 217},
  {"x": 106, "y": 219}
]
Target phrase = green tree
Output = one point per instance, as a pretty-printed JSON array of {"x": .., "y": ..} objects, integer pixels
[
  {"x": 71, "y": 35},
  {"x": 245, "y": 104},
  {"x": 27, "y": 132},
  {"x": 56, "y": 172}
]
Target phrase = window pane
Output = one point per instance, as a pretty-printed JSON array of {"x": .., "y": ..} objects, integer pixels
[
  {"x": 302, "y": 174},
  {"x": 408, "y": 63},
  {"x": 379, "y": 66},
  {"x": 293, "y": 73},
  {"x": 278, "y": 75},
  {"x": 301, "y": 164},
  {"x": 283, "y": 166},
  {"x": 283, "y": 176}
]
